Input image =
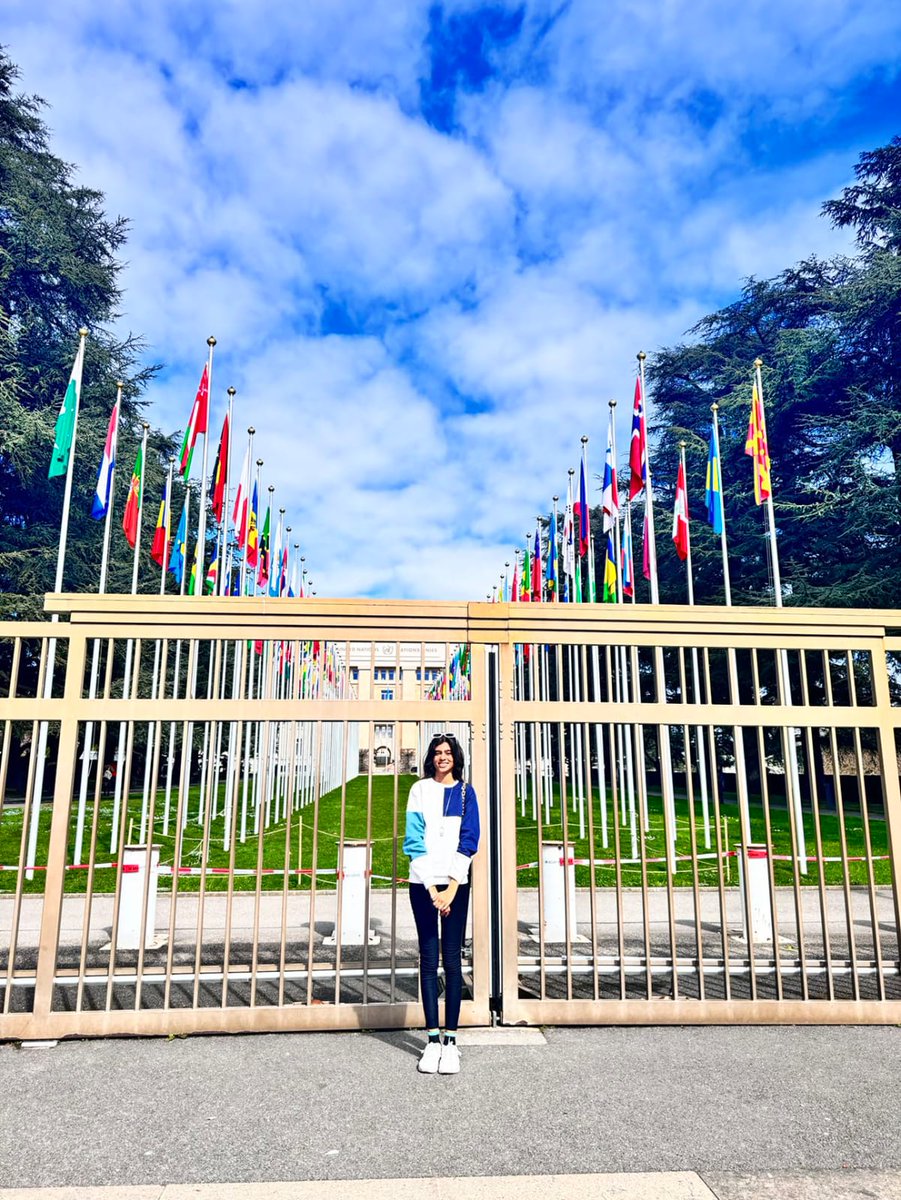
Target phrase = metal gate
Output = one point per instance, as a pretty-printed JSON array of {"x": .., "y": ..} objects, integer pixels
[{"x": 688, "y": 814}]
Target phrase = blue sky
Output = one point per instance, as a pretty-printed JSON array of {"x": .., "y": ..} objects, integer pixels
[{"x": 431, "y": 238}]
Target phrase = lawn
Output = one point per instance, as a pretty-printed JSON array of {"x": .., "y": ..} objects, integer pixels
[{"x": 386, "y": 861}]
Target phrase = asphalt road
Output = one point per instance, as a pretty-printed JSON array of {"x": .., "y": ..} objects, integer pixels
[{"x": 351, "y": 1106}]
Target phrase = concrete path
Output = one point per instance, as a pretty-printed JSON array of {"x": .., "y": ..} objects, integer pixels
[
  {"x": 732, "y": 1113},
  {"x": 664, "y": 1185}
]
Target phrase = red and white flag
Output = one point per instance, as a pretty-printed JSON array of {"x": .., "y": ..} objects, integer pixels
[
  {"x": 680, "y": 516},
  {"x": 241, "y": 511}
]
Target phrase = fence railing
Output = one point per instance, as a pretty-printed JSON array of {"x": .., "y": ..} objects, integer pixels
[{"x": 689, "y": 814}]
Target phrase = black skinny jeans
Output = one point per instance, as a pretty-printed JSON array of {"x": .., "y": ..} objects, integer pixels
[{"x": 453, "y": 927}]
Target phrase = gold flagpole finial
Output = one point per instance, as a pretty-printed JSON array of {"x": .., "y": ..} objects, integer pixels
[
  {"x": 641, "y": 356},
  {"x": 211, "y": 341},
  {"x": 758, "y": 362},
  {"x": 83, "y": 332},
  {"x": 231, "y": 392}
]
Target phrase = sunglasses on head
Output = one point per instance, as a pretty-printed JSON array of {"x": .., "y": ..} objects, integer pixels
[{"x": 443, "y": 737}]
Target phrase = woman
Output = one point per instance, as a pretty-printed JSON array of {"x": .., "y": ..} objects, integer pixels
[{"x": 442, "y": 835}]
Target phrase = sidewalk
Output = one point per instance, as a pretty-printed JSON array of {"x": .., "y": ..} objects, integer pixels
[{"x": 731, "y": 1113}]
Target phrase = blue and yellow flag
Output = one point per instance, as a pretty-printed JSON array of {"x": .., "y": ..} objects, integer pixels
[
  {"x": 610, "y": 571},
  {"x": 179, "y": 553},
  {"x": 713, "y": 493}
]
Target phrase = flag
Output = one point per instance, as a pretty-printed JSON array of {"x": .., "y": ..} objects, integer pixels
[
  {"x": 64, "y": 434},
  {"x": 275, "y": 572},
  {"x": 212, "y": 574},
  {"x": 610, "y": 493},
  {"x": 283, "y": 573},
  {"x": 192, "y": 578},
  {"x": 525, "y": 582},
  {"x": 197, "y": 423},
  {"x": 680, "y": 515},
  {"x": 161, "y": 533},
  {"x": 638, "y": 449},
  {"x": 569, "y": 550},
  {"x": 179, "y": 548},
  {"x": 514, "y": 594},
  {"x": 220, "y": 470},
  {"x": 756, "y": 446},
  {"x": 610, "y": 571},
  {"x": 583, "y": 513},
  {"x": 252, "y": 549},
  {"x": 107, "y": 466},
  {"x": 713, "y": 492},
  {"x": 628, "y": 561},
  {"x": 537, "y": 572},
  {"x": 550, "y": 571},
  {"x": 263, "y": 569},
  {"x": 646, "y": 549},
  {"x": 242, "y": 502},
  {"x": 132, "y": 517}
]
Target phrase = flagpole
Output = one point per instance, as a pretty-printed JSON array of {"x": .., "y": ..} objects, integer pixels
[
  {"x": 553, "y": 539},
  {"x": 663, "y": 743},
  {"x": 592, "y": 585},
  {"x": 571, "y": 504},
  {"x": 95, "y": 650},
  {"x": 38, "y": 785},
  {"x": 727, "y": 583},
  {"x": 617, "y": 534},
  {"x": 154, "y": 727},
  {"x": 770, "y": 512},
  {"x": 649, "y": 494},
  {"x": 129, "y": 651},
  {"x": 695, "y": 668},
  {"x": 228, "y": 458},
  {"x": 201, "y": 529},
  {"x": 170, "y": 762},
  {"x": 793, "y": 737}
]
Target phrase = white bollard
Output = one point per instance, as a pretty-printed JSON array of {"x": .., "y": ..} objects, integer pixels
[
  {"x": 756, "y": 872},
  {"x": 131, "y": 900},
  {"x": 355, "y": 871},
  {"x": 554, "y": 906}
]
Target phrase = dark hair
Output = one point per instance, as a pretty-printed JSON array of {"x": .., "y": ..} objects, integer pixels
[{"x": 428, "y": 766}]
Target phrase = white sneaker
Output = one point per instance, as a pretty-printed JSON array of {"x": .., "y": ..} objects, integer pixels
[
  {"x": 450, "y": 1059},
  {"x": 430, "y": 1058}
]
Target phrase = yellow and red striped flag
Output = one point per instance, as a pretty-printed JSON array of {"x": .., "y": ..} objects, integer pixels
[{"x": 756, "y": 446}]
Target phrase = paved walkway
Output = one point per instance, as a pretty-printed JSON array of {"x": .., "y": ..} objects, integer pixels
[
  {"x": 631, "y": 1114},
  {"x": 663, "y": 1185}
]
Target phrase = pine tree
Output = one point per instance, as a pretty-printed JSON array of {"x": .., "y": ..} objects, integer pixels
[{"x": 59, "y": 270}]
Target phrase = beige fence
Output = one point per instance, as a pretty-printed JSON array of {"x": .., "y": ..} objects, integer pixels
[{"x": 688, "y": 814}]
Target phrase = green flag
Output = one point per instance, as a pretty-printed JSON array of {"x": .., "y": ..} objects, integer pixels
[
  {"x": 65, "y": 427},
  {"x": 65, "y": 422}
]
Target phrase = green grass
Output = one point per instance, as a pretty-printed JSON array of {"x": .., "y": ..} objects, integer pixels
[{"x": 387, "y": 861}]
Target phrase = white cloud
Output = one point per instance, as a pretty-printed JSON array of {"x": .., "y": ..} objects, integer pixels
[{"x": 597, "y": 197}]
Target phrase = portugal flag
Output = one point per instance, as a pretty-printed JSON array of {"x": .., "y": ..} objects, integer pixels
[{"x": 131, "y": 519}]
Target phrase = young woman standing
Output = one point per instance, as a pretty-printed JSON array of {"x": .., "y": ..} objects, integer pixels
[{"x": 442, "y": 835}]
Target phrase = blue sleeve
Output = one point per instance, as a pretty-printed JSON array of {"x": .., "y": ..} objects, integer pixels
[{"x": 469, "y": 826}]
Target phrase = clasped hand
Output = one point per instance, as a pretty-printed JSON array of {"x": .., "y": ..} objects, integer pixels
[{"x": 442, "y": 900}]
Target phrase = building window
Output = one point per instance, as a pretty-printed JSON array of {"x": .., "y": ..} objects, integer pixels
[
  {"x": 385, "y": 674},
  {"x": 387, "y": 693},
  {"x": 355, "y": 673},
  {"x": 384, "y": 733},
  {"x": 429, "y": 674}
]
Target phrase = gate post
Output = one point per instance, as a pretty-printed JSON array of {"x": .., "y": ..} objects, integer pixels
[{"x": 54, "y": 886}]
